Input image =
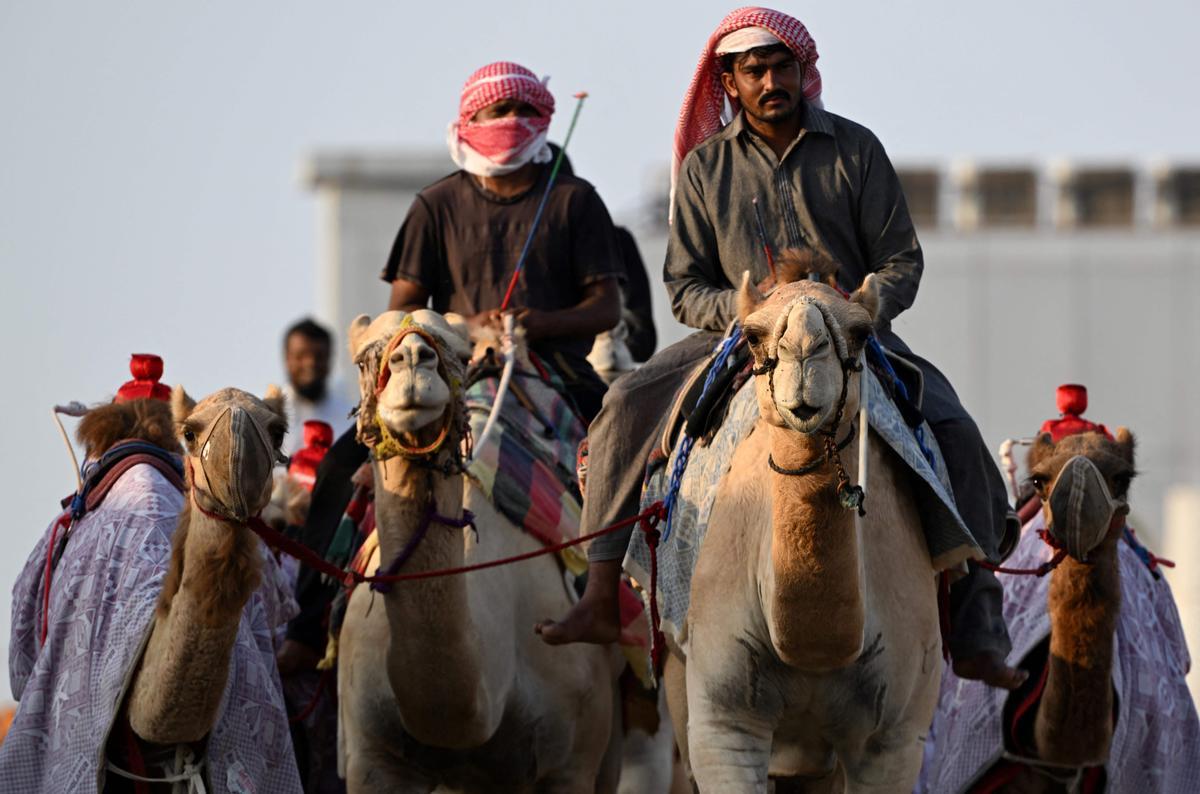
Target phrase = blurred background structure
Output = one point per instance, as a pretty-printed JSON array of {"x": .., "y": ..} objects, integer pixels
[{"x": 149, "y": 198}]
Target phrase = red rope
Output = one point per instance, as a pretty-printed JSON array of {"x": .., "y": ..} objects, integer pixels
[
  {"x": 316, "y": 698},
  {"x": 1060, "y": 554},
  {"x": 277, "y": 540},
  {"x": 63, "y": 521}
]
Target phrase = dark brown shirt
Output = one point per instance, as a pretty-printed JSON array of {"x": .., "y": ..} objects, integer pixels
[
  {"x": 461, "y": 243},
  {"x": 834, "y": 189}
]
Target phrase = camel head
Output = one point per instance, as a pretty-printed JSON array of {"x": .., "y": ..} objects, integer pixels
[
  {"x": 231, "y": 445},
  {"x": 411, "y": 369},
  {"x": 1083, "y": 481},
  {"x": 803, "y": 337}
]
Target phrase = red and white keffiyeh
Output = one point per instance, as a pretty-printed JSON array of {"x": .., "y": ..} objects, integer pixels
[
  {"x": 700, "y": 115},
  {"x": 501, "y": 146}
]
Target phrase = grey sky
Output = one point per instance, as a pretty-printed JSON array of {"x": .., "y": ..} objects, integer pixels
[{"x": 148, "y": 190}]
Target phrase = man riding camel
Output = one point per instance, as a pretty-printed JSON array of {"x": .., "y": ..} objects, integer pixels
[
  {"x": 825, "y": 186},
  {"x": 464, "y": 234},
  {"x": 456, "y": 251}
]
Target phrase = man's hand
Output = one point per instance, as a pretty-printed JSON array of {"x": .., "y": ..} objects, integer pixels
[
  {"x": 536, "y": 323},
  {"x": 990, "y": 668},
  {"x": 485, "y": 319}
]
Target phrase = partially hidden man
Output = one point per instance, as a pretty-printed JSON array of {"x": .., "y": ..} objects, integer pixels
[{"x": 824, "y": 184}]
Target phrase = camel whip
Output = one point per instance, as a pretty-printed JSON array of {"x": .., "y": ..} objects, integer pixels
[
  {"x": 537, "y": 218},
  {"x": 507, "y": 343},
  {"x": 762, "y": 238}
]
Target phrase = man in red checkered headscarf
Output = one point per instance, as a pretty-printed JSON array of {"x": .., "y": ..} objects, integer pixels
[
  {"x": 456, "y": 251},
  {"x": 511, "y": 129},
  {"x": 753, "y": 131},
  {"x": 463, "y": 235}
]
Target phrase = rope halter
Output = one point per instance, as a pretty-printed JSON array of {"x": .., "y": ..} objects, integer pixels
[
  {"x": 850, "y": 496},
  {"x": 390, "y": 445}
]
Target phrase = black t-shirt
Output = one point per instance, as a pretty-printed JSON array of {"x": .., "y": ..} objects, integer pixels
[{"x": 461, "y": 243}]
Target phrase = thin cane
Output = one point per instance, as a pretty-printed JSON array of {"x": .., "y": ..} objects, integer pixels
[
  {"x": 762, "y": 238},
  {"x": 537, "y": 218}
]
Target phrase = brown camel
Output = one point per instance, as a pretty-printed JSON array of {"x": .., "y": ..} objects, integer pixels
[
  {"x": 442, "y": 681},
  {"x": 812, "y": 648},
  {"x": 231, "y": 443},
  {"x": 1074, "y": 723},
  {"x": 1106, "y": 707}
]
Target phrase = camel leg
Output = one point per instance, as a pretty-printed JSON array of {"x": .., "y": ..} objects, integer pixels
[
  {"x": 730, "y": 752},
  {"x": 674, "y": 681},
  {"x": 892, "y": 763},
  {"x": 369, "y": 773}
]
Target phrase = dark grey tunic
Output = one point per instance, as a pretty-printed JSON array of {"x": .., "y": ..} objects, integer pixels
[{"x": 834, "y": 191}]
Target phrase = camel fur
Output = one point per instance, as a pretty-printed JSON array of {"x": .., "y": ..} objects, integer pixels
[
  {"x": 215, "y": 562},
  {"x": 1074, "y": 721},
  {"x": 812, "y": 648},
  {"x": 442, "y": 681}
]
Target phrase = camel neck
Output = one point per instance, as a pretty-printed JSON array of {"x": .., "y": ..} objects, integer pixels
[
  {"x": 433, "y": 650},
  {"x": 814, "y": 558},
  {"x": 215, "y": 567},
  {"x": 1074, "y": 721}
]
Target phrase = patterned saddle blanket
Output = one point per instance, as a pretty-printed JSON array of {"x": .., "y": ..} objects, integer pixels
[{"x": 950, "y": 542}]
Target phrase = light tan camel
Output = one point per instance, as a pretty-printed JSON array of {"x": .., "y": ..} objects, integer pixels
[
  {"x": 813, "y": 648},
  {"x": 231, "y": 441},
  {"x": 442, "y": 681},
  {"x": 1073, "y": 725}
]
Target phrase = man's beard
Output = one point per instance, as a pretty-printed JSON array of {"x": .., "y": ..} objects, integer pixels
[
  {"x": 777, "y": 115},
  {"x": 313, "y": 391}
]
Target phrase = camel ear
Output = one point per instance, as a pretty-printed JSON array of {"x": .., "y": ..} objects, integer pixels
[
  {"x": 867, "y": 296},
  {"x": 1042, "y": 446},
  {"x": 748, "y": 297},
  {"x": 358, "y": 326},
  {"x": 1127, "y": 443},
  {"x": 458, "y": 324},
  {"x": 275, "y": 400},
  {"x": 181, "y": 404}
]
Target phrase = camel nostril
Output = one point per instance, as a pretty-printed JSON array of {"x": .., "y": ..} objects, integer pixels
[{"x": 804, "y": 411}]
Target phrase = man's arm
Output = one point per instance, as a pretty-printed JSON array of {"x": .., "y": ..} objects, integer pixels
[
  {"x": 701, "y": 296},
  {"x": 886, "y": 235},
  {"x": 407, "y": 296},
  {"x": 598, "y": 311}
]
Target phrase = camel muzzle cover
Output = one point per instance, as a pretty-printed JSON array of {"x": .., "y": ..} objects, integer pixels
[
  {"x": 1081, "y": 507},
  {"x": 237, "y": 452}
]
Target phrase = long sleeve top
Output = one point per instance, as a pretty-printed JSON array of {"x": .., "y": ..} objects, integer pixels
[{"x": 834, "y": 190}]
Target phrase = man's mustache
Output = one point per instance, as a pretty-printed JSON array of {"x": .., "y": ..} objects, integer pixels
[{"x": 784, "y": 95}]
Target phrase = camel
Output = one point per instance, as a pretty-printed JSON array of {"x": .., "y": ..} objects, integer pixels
[
  {"x": 813, "y": 648},
  {"x": 231, "y": 444},
  {"x": 1061, "y": 730},
  {"x": 167, "y": 671},
  {"x": 441, "y": 681}
]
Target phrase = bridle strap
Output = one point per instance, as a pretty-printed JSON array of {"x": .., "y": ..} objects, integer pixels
[
  {"x": 381, "y": 381},
  {"x": 814, "y": 465}
]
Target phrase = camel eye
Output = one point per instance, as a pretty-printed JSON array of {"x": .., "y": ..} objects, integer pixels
[
  {"x": 188, "y": 435},
  {"x": 753, "y": 339},
  {"x": 1121, "y": 485},
  {"x": 1038, "y": 482}
]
